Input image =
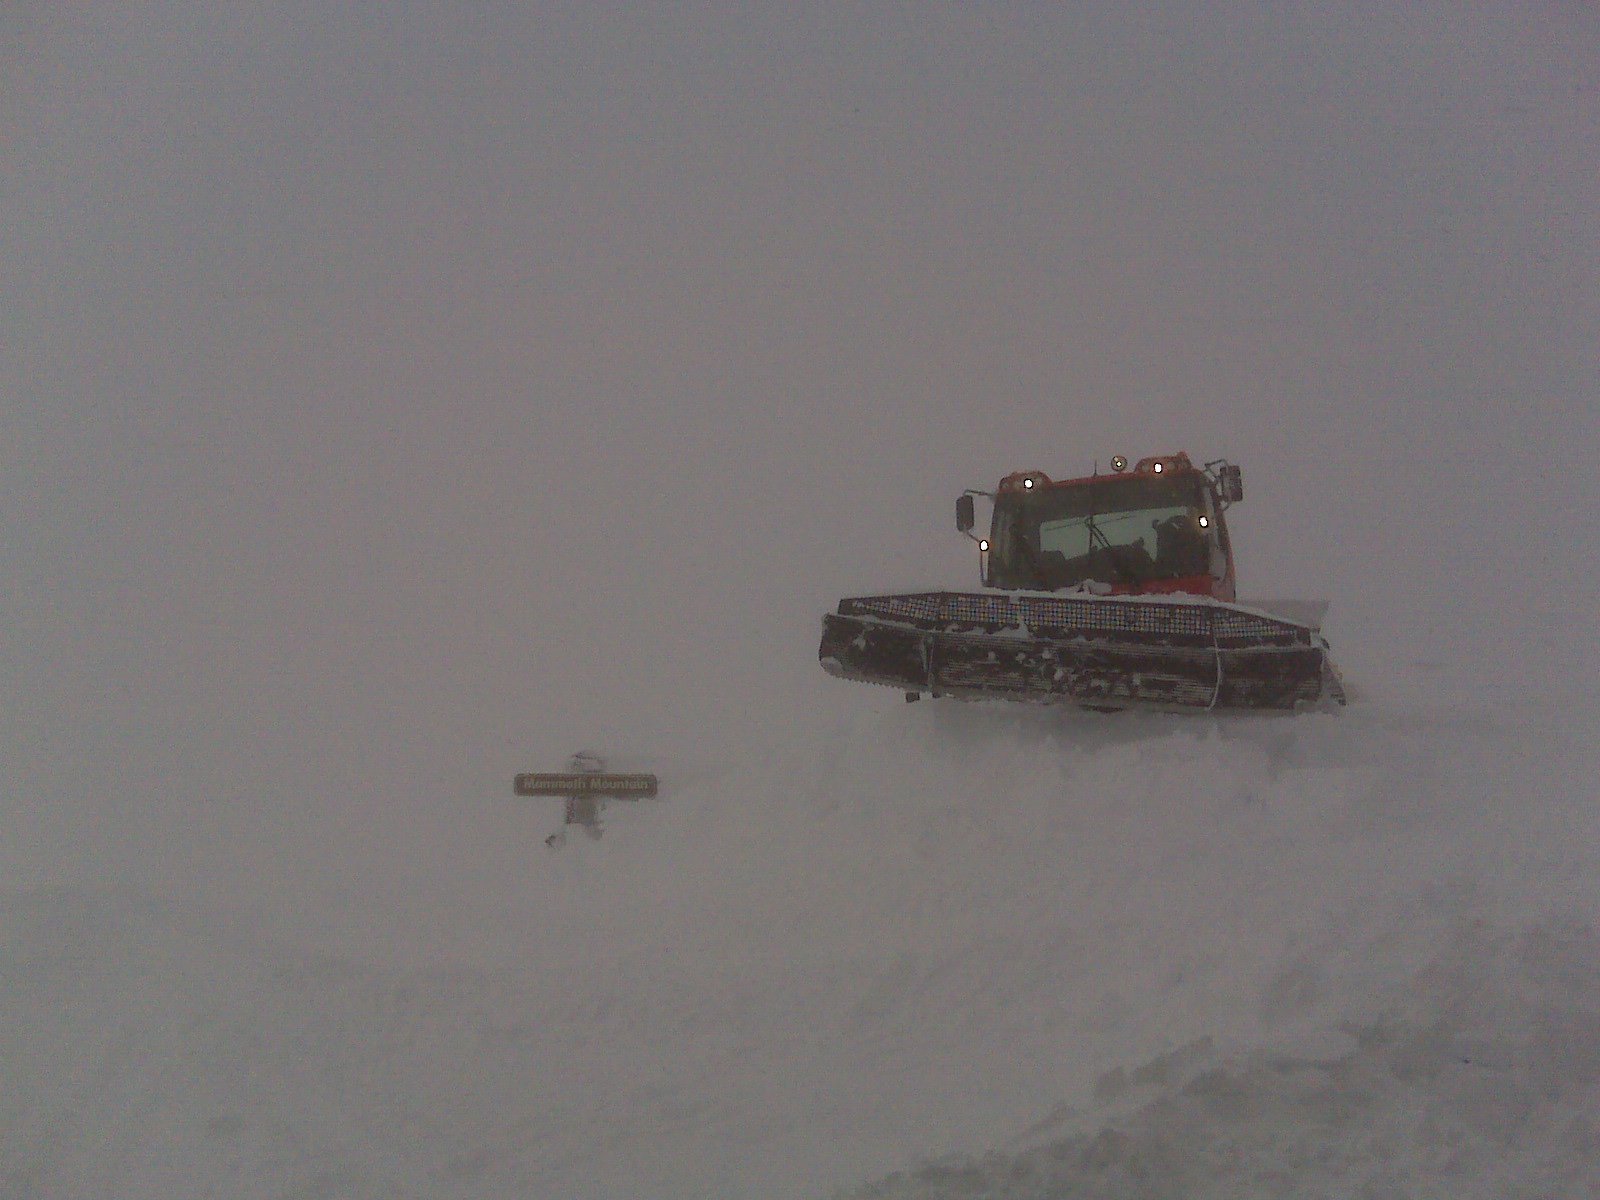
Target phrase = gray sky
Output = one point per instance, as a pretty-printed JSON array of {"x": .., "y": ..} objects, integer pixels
[{"x": 394, "y": 399}]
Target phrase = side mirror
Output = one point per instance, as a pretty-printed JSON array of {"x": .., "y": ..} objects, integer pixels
[
  {"x": 965, "y": 519},
  {"x": 1232, "y": 484}
]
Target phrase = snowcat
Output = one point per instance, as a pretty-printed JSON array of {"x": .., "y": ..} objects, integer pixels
[{"x": 1108, "y": 592}]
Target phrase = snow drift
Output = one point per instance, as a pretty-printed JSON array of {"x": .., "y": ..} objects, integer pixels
[{"x": 1138, "y": 955}]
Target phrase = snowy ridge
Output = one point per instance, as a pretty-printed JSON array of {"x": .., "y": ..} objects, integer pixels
[{"x": 1485, "y": 1084}]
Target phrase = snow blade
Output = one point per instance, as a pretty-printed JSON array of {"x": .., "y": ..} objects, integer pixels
[{"x": 1184, "y": 654}]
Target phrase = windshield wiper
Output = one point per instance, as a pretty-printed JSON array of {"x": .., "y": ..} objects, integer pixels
[{"x": 1125, "y": 572}]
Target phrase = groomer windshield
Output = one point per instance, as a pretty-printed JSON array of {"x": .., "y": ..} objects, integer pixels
[{"x": 1116, "y": 529}]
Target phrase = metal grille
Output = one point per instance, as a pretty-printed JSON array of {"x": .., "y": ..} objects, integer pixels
[{"x": 1092, "y": 614}]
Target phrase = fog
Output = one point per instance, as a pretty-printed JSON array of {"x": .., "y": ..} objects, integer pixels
[{"x": 398, "y": 398}]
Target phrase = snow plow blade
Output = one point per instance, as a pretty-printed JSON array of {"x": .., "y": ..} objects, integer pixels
[{"x": 1107, "y": 652}]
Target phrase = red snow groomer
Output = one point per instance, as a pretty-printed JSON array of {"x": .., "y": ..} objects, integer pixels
[{"x": 1110, "y": 591}]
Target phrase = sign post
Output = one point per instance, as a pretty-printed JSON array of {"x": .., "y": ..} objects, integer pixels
[{"x": 586, "y": 785}]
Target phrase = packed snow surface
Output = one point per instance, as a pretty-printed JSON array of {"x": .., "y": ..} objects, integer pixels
[
  {"x": 963, "y": 950},
  {"x": 397, "y": 398}
]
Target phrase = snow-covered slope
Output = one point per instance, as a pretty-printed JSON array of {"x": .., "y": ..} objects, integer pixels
[
  {"x": 393, "y": 400},
  {"x": 1140, "y": 955}
]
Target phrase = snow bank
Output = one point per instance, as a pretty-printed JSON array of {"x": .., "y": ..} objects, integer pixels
[
  {"x": 1138, "y": 952},
  {"x": 1483, "y": 1082}
]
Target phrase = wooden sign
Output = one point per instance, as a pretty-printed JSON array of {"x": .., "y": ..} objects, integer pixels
[{"x": 570, "y": 783}]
